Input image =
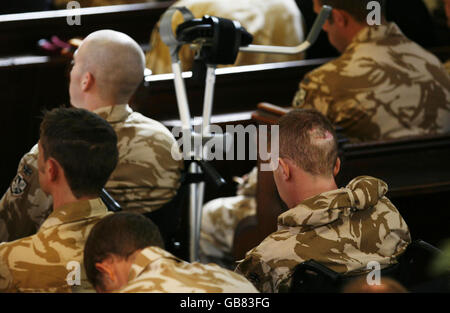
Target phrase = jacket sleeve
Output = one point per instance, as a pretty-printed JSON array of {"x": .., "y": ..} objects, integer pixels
[
  {"x": 257, "y": 272},
  {"x": 24, "y": 206}
]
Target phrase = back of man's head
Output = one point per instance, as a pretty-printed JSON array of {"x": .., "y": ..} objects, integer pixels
[
  {"x": 309, "y": 140},
  {"x": 356, "y": 8},
  {"x": 85, "y": 146},
  {"x": 117, "y": 63},
  {"x": 120, "y": 235}
]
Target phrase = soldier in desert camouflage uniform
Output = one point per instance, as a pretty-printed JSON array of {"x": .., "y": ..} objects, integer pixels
[
  {"x": 220, "y": 217},
  {"x": 131, "y": 260},
  {"x": 271, "y": 22},
  {"x": 383, "y": 86},
  {"x": 108, "y": 68},
  {"x": 344, "y": 229},
  {"x": 77, "y": 153}
]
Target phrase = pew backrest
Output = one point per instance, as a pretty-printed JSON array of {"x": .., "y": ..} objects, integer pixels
[{"x": 19, "y": 33}]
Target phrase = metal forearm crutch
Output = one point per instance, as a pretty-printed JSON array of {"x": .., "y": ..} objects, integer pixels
[
  {"x": 189, "y": 136},
  {"x": 196, "y": 190}
]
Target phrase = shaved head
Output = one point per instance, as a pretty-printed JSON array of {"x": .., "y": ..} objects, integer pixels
[{"x": 115, "y": 61}]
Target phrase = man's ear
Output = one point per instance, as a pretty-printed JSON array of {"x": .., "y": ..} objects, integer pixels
[
  {"x": 340, "y": 17},
  {"x": 54, "y": 169},
  {"x": 105, "y": 267},
  {"x": 87, "y": 81},
  {"x": 284, "y": 168},
  {"x": 337, "y": 167}
]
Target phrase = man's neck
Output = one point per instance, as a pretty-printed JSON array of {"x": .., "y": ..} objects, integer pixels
[
  {"x": 352, "y": 32},
  {"x": 95, "y": 103},
  {"x": 313, "y": 186},
  {"x": 356, "y": 28},
  {"x": 61, "y": 198}
]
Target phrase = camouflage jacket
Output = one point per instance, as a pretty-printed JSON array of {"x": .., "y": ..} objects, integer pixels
[
  {"x": 383, "y": 86},
  {"x": 221, "y": 216},
  {"x": 41, "y": 263},
  {"x": 343, "y": 229},
  {"x": 248, "y": 183},
  {"x": 271, "y": 22},
  {"x": 156, "y": 270},
  {"x": 145, "y": 177}
]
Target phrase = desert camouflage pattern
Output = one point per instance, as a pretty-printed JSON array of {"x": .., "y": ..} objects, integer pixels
[
  {"x": 221, "y": 216},
  {"x": 24, "y": 206},
  {"x": 247, "y": 184},
  {"x": 145, "y": 178},
  {"x": 271, "y": 22},
  {"x": 39, "y": 263},
  {"x": 156, "y": 270},
  {"x": 343, "y": 229},
  {"x": 62, "y": 4},
  {"x": 383, "y": 86}
]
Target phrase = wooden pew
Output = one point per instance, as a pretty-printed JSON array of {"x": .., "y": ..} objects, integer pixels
[
  {"x": 37, "y": 82},
  {"x": 237, "y": 89},
  {"x": 237, "y": 92},
  {"x": 415, "y": 169},
  {"x": 29, "y": 85},
  {"x": 32, "y": 82},
  {"x": 19, "y": 33}
]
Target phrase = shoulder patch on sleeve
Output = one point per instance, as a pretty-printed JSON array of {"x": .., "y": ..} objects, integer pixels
[
  {"x": 18, "y": 185},
  {"x": 27, "y": 170},
  {"x": 254, "y": 278}
]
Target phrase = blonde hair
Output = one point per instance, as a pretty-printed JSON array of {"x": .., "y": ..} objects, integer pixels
[{"x": 117, "y": 63}]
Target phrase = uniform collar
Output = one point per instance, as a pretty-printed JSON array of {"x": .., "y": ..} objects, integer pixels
[
  {"x": 375, "y": 33},
  {"x": 115, "y": 113},
  {"x": 146, "y": 257},
  {"x": 361, "y": 193},
  {"x": 75, "y": 211}
]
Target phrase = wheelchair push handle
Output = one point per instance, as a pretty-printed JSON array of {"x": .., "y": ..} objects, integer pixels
[{"x": 110, "y": 203}]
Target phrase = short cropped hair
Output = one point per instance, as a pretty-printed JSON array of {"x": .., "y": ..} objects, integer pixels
[
  {"x": 356, "y": 8},
  {"x": 85, "y": 146},
  {"x": 309, "y": 140},
  {"x": 119, "y": 234},
  {"x": 117, "y": 63}
]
